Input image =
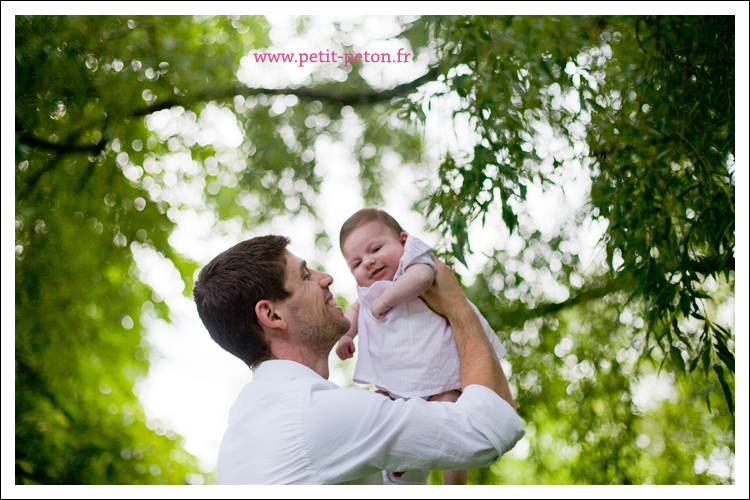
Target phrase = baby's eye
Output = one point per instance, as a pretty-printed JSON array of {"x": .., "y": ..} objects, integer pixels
[
  {"x": 375, "y": 249},
  {"x": 355, "y": 266}
]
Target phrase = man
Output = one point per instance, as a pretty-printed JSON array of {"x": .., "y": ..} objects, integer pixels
[{"x": 292, "y": 426}]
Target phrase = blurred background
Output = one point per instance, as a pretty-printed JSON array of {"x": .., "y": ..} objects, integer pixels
[{"x": 578, "y": 173}]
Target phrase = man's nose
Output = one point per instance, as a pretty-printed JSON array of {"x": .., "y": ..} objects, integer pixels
[{"x": 323, "y": 279}]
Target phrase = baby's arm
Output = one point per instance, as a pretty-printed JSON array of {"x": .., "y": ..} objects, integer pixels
[
  {"x": 416, "y": 279},
  {"x": 345, "y": 349}
]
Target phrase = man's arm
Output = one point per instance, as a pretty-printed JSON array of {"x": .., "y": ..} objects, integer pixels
[
  {"x": 446, "y": 298},
  {"x": 352, "y": 433},
  {"x": 416, "y": 279}
]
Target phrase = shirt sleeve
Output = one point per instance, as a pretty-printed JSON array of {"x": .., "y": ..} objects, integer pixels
[{"x": 352, "y": 433}]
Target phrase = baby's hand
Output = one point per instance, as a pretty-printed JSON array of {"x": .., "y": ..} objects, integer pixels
[
  {"x": 345, "y": 349},
  {"x": 378, "y": 308}
]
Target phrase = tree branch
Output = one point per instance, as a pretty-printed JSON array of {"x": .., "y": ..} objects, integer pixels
[
  {"x": 60, "y": 150},
  {"x": 516, "y": 313},
  {"x": 39, "y": 384},
  {"x": 322, "y": 94}
]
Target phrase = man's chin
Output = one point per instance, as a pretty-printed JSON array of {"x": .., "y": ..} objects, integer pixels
[
  {"x": 345, "y": 325},
  {"x": 340, "y": 326}
]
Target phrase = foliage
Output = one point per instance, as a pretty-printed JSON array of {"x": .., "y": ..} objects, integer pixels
[
  {"x": 577, "y": 380},
  {"x": 80, "y": 200},
  {"x": 113, "y": 145},
  {"x": 648, "y": 104}
]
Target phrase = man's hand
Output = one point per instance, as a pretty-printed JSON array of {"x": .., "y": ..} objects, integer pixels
[
  {"x": 378, "y": 308},
  {"x": 445, "y": 295},
  {"x": 446, "y": 298},
  {"x": 345, "y": 349}
]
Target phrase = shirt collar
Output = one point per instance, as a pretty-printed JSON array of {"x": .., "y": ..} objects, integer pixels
[{"x": 283, "y": 368}]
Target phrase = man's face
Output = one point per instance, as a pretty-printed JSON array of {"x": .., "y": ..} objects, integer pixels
[{"x": 314, "y": 315}]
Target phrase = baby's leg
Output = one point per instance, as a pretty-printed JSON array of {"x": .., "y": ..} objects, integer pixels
[
  {"x": 451, "y": 476},
  {"x": 384, "y": 393},
  {"x": 455, "y": 476},
  {"x": 451, "y": 396}
]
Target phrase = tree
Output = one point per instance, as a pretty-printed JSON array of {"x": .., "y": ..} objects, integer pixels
[
  {"x": 110, "y": 146},
  {"x": 78, "y": 206},
  {"x": 654, "y": 104},
  {"x": 648, "y": 104}
]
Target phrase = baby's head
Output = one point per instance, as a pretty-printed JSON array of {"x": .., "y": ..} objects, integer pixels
[{"x": 372, "y": 243}]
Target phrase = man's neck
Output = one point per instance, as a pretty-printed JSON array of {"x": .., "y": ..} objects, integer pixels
[
  {"x": 317, "y": 363},
  {"x": 320, "y": 367}
]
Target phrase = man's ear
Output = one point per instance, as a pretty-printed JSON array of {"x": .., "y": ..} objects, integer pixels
[
  {"x": 402, "y": 237},
  {"x": 268, "y": 315}
]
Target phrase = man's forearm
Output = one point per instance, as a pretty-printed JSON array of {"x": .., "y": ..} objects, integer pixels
[{"x": 479, "y": 364}]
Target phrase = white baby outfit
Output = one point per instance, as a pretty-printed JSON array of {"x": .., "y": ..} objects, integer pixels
[{"x": 411, "y": 352}]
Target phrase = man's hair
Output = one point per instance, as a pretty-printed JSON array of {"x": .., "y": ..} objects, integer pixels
[
  {"x": 229, "y": 287},
  {"x": 365, "y": 216}
]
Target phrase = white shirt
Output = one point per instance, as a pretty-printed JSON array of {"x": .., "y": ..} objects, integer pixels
[
  {"x": 411, "y": 351},
  {"x": 291, "y": 426}
]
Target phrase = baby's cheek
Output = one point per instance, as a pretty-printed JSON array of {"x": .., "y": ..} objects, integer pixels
[
  {"x": 360, "y": 280},
  {"x": 397, "y": 257}
]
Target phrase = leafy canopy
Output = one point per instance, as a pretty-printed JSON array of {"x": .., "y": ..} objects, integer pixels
[{"x": 112, "y": 145}]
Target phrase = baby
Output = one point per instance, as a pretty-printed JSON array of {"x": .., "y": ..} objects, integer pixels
[{"x": 405, "y": 349}]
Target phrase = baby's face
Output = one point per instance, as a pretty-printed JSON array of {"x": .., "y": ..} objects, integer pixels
[{"x": 373, "y": 252}]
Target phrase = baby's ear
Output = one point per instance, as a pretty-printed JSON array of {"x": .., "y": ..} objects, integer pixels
[{"x": 402, "y": 238}]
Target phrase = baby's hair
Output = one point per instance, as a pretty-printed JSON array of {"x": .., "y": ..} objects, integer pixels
[{"x": 365, "y": 216}]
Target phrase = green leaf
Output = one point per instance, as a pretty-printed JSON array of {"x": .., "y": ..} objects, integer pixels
[
  {"x": 707, "y": 390},
  {"x": 677, "y": 360},
  {"x": 727, "y": 392},
  {"x": 27, "y": 467},
  {"x": 721, "y": 330},
  {"x": 728, "y": 360},
  {"x": 459, "y": 254},
  {"x": 694, "y": 363},
  {"x": 661, "y": 365},
  {"x": 707, "y": 393},
  {"x": 706, "y": 359},
  {"x": 685, "y": 304},
  {"x": 679, "y": 333}
]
